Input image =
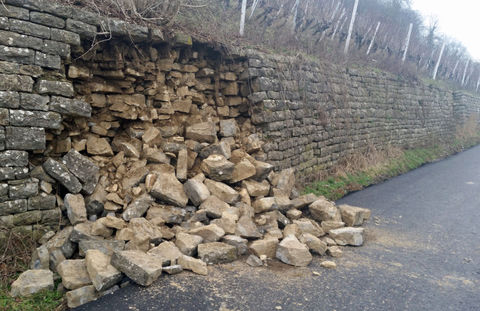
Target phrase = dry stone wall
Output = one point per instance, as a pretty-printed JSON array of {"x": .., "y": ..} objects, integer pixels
[
  {"x": 71, "y": 109},
  {"x": 312, "y": 114}
]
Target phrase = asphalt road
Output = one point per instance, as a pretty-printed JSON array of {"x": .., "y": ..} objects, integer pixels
[{"x": 422, "y": 252}]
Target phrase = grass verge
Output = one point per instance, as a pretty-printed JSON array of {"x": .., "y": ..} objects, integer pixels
[{"x": 360, "y": 171}]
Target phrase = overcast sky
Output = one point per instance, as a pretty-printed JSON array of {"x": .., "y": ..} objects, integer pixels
[{"x": 459, "y": 19}]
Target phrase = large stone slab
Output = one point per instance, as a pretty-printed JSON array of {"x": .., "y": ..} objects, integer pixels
[
  {"x": 202, "y": 132},
  {"x": 24, "y": 138},
  {"x": 76, "y": 210},
  {"x": 188, "y": 243},
  {"x": 167, "y": 188},
  {"x": 347, "y": 236},
  {"x": 196, "y": 191},
  {"x": 31, "y": 282},
  {"x": 324, "y": 210},
  {"x": 74, "y": 273},
  {"x": 83, "y": 168},
  {"x": 217, "y": 252},
  {"x": 101, "y": 272},
  {"x": 60, "y": 173},
  {"x": 222, "y": 191},
  {"x": 143, "y": 269},
  {"x": 292, "y": 252},
  {"x": 353, "y": 215}
]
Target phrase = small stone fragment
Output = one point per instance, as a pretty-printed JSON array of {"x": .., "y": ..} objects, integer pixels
[
  {"x": 254, "y": 261},
  {"x": 328, "y": 264}
]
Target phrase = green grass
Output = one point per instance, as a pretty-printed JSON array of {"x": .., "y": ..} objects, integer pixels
[
  {"x": 335, "y": 187},
  {"x": 43, "y": 301}
]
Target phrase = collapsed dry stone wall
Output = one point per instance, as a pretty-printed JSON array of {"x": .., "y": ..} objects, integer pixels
[{"x": 63, "y": 97}]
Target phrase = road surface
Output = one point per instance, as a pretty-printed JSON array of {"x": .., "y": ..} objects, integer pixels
[{"x": 422, "y": 252}]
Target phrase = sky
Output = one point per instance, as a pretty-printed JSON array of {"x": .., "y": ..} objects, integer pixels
[{"x": 457, "y": 19}]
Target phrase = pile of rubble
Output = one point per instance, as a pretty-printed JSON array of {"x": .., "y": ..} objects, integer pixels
[{"x": 144, "y": 215}]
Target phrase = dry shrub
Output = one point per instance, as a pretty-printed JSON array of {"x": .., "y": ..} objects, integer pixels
[
  {"x": 468, "y": 130},
  {"x": 15, "y": 253},
  {"x": 370, "y": 158}
]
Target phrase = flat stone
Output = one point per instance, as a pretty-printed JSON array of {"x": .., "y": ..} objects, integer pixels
[
  {"x": 197, "y": 266},
  {"x": 40, "y": 258},
  {"x": 187, "y": 243},
  {"x": 334, "y": 251},
  {"x": 202, "y": 132},
  {"x": 309, "y": 226},
  {"x": 175, "y": 269},
  {"x": 347, "y": 236},
  {"x": 217, "y": 252},
  {"x": 33, "y": 102},
  {"x": 55, "y": 88},
  {"x": 74, "y": 273},
  {"x": 353, "y": 215},
  {"x": 292, "y": 252},
  {"x": 144, "y": 227},
  {"x": 23, "y": 190},
  {"x": 60, "y": 173},
  {"x": 329, "y": 225},
  {"x": 31, "y": 282},
  {"x": 228, "y": 128},
  {"x": 314, "y": 244},
  {"x": 16, "y": 83},
  {"x": 101, "y": 272},
  {"x": 24, "y": 138},
  {"x": 324, "y": 210},
  {"x": 254, "y": 261},
  {"x": 143, "y": 269},
  {"x": 218, "y": 168},
  {"x": 42, "y": 202},
  {"x": 239, "y": 243},
  {"x": 222, "y": 191},
  {"x": 70, "y": 107},
  {"x": 81, "y": 296},
  {"x": 83, "y": 168},
  {"x": 166, "y": 252},
  {"x": 214, "y": 207},
  {"x": 246, "y": 228},
  {"x": 266, "y": 247},
  {"x": 9, "y": 99},
  {"x": 167, "y": 188},
  {"x": 209, "y": 233},
  {"x": 255, "y": 188},
  {"x": 75, "y": 206},
  {"x": 61, "y": 240},
  {"x": 105, "y": 246},
  {"x": 253, "y": 143},
  {"x": 138, "y": 207},
  {"x": 264, "y": 204},
  {"x": 98, "y": 146},
  {"x": 196, "y": 191},
  {"x": 222, "y": 148}
]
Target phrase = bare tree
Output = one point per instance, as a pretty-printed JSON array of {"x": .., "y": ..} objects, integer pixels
[
  {"x": 438, "y": 61},
  {"x": 242, "y": 18},
  {"x": 465, "y": 71},
  {"x": 373, "y": 38},
  {"x": 350, "y": 28},
  {"x": 407, "y": 42}
]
